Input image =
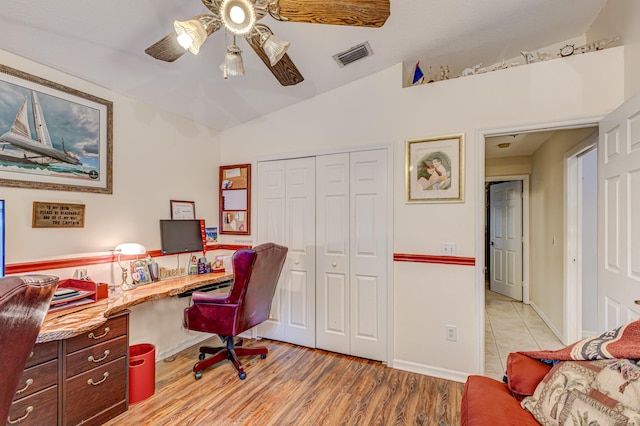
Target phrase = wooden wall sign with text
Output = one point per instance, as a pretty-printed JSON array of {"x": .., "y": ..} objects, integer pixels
[{"x": 57, "y": 215}]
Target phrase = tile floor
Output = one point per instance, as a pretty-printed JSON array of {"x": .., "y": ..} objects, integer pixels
[{"x": 512, "y": 326}]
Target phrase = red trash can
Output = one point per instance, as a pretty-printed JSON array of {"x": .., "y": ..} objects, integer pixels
[{"x": 142, "y": 372}]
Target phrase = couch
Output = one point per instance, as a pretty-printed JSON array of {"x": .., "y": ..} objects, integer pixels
[
  {"x": 486, "y": 401},
  {"x": 595, "y": 381}
]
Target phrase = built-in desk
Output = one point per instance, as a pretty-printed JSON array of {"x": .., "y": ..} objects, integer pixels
[
  {"x": 78, "y": 370},
  {"x": 75, "y": 321}
]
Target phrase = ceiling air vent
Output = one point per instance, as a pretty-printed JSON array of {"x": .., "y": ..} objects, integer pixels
[{"x": 354, "y": 53}]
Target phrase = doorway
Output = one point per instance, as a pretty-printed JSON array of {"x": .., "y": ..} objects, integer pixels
[{"x": 540, "y": 156}]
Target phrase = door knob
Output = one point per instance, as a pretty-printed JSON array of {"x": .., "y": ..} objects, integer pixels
[
  {"x": 334, "y": 264},
  {"x": 297, "y": 262}
]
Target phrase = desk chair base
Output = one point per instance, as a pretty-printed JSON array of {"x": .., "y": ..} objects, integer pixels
[{"x": 231, "y": 352}]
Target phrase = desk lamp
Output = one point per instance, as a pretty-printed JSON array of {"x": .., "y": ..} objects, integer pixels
[{"x": 128, "y": 249}]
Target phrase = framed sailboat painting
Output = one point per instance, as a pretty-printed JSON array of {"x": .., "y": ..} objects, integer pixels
[{"x": 53, "y": 136}]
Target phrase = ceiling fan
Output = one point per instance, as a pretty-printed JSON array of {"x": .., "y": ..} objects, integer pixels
[{"x": 240, "y": 18}]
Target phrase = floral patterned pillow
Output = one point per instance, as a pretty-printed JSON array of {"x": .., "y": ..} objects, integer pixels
[{"x": 550, "y": 396}]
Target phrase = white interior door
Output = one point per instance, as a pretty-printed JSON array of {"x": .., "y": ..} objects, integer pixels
[
  {"x": 505, "y": 239},
  {"x": 286, "y": 207},
  {"x": 271, "y": 227},
  {"x": 332, "y": 257},
  {"x": 368, "y": 254},
  {"x": 619, "y": 216},
  {"x": 299, "y": 289}
]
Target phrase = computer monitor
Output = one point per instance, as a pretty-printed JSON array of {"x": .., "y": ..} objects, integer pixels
[{"x": 180, "y": 236}]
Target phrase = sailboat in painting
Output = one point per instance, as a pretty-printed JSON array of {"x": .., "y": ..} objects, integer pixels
[{"x": 25, "y": 149}]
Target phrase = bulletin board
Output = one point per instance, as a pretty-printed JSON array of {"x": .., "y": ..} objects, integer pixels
[{"x": 235, "y": 199}]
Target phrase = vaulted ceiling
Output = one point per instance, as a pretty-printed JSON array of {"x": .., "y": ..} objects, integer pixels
[{"x": 104, "y": 43}]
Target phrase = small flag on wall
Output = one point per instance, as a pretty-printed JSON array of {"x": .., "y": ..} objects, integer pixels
[{"x": 418, "y": 76}]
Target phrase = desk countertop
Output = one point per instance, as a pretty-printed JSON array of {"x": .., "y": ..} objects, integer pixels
[{"x": 75, "y": 321}]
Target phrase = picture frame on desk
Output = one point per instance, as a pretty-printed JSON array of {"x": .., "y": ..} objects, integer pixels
[{"x": 140, "y": 272}]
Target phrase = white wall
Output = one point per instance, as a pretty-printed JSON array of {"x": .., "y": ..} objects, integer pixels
[
  {"x": 620, "y": 18},
  {"x": 157, "y": 157},
  {"x": 377, "y": 111}
]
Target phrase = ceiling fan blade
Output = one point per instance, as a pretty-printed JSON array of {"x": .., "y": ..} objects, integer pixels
[
  {"x": 167, "y": 49},
  {"x": 285, "y": 71},
  {"x": 359, "y": 13}
]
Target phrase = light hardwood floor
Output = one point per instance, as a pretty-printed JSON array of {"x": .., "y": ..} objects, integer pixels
[
  {"x": 294, "y": 386},
  {"x": 512, "y": 326}
]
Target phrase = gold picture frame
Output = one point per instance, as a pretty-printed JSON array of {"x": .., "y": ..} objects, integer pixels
[
  {"x": 435, "y": 169},
  {"x": 66, "y": 145}
]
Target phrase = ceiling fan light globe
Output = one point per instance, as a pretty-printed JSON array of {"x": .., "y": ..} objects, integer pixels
[
  {"x": 191, "y": 34},
  {"x": 275, "y": 48},
  {"x": 237, "y": 16},
  {"x": 233, "y": 64}
]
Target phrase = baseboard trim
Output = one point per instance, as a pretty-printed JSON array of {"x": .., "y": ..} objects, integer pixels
[
  {"x": 441, "y": 373},
  {"x": 182, "y": 346},
  {"x": 548, "y": 322}
]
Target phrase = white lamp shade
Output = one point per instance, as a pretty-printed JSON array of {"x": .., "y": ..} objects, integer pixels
[
  {"x": 130, "y": 248},
  {"x": 275, "y": 48},
  {"x": 191, "y": 34},
  {"x": 233, "y": 65}
]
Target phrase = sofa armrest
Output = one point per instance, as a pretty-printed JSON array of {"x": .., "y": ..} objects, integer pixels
[{"x": 486, "y": 401}]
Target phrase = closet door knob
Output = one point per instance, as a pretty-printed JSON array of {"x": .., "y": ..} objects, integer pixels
[
  {"x": 297, "y": 262},
  {"x": 334, "y": 264}
]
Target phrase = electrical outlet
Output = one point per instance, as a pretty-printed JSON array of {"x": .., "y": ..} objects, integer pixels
[
  {"x": 452, "y": 332},
  {"x": 448, "y": 249}
]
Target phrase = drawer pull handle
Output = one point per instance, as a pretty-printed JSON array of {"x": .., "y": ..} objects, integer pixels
[
  {"x": 92, "y": 359},
  {"x": 28, "y": 383},
  {"x": 104, "y": 377},
  {"x": 94, "y": 337},
  {"x": 19, "y": 419}
]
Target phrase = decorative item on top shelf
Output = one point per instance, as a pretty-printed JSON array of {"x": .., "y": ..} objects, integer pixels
[
  {"x": 435, "y": 169},
  {"x": 67, "y": 155},
  {"x": 235, "y": 199}
]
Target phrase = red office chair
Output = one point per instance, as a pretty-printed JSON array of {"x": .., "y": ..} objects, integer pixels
[
  {"x": 24, "y": 302},
  {"x": 256, "y": 272}
]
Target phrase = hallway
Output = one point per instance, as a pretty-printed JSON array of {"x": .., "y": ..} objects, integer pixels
[{"x": 512, "y": 326}]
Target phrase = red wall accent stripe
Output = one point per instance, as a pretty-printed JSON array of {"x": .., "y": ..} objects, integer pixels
[
  {"x": 424, "y": 258},
  {"x": 21, "y": 268}
]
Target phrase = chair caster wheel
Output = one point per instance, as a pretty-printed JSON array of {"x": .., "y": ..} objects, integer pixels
[
  {"x": 198, "y": 375},
  {"x": 263, "y": 356},
  {"x": 201, "y": 357},
  {"x": 242, "y": 375}
]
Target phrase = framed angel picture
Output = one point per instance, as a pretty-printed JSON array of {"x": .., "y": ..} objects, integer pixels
[{"x": 435, "y": 169}]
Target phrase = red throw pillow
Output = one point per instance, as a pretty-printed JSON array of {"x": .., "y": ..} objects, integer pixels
[{"x": 524, "y": 374}]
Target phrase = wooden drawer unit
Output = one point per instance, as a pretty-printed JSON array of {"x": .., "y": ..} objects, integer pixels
[
  {"x": 37, "y": 409},
  {"x": 43, "y": 352},
  {"x": 36, "y": 378},
  {"x": 114, "y": 327},
  {"x": 95, "y": 373},
  {"x": 89, "y": 394},
  {"x": 95, "y": 356}
]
